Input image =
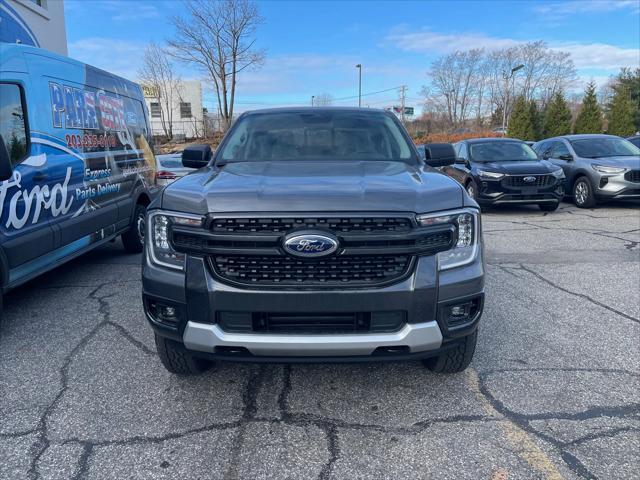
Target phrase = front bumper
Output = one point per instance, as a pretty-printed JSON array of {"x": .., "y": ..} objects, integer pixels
[
  {"x": 494, "y": 192},
  {"x": 616, "y": 187},
  {"x": 199, "y": 297}
]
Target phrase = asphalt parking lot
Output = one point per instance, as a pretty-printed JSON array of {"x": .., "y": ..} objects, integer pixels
[{"x": 552, "y": 391}]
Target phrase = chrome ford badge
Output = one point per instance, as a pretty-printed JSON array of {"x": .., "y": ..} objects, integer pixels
[
  {"x": 529, "y": 179},
  {"x": 310, "y": 245}
]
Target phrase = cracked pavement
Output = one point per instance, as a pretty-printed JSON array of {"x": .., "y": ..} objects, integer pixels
[{"x": 552, "y": 391}]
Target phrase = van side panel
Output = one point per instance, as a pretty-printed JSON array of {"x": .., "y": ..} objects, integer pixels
[{"x": 90, "y": 156}]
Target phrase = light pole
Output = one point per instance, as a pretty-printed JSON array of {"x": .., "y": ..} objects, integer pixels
[
  {"x": 312, "y": 98},
  {"x": 506, "y": 101},
  {"x": 359, "y": 67}
]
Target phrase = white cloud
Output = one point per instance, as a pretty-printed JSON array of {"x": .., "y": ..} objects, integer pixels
[
  {"x": 574, "y": 7},
  {"x": 600, "y": 55},
  {"x": 585, "y": 55},
  {"x": 116, "y": 56},
  {"x": 428, "y": 41}
]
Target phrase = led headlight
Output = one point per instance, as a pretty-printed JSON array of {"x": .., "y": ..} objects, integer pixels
[
  {"x": 158, "y": 237},
  {"x": 490, "y": 175},
  {"x": 608, "y": 169},
  {"x": 467, "y": 225},
  {"x": 558, "y": 173}
]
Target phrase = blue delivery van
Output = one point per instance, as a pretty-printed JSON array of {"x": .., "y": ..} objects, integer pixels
[{"x": 76, "y": 162}]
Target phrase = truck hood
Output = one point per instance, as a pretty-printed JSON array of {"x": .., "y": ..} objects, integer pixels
[
  {"x": 308, "y": 186},
  {"x": 519, "y": 167}
]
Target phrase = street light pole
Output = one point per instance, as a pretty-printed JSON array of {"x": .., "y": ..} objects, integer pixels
[
  {"x": 506, "y": 100},
  {"x": 359, "y": 67},
  {"x": 312, "y": 98}
]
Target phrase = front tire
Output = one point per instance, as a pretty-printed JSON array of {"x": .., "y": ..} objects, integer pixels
[
  {"x": 583, "y": 193},
  {"x": 549, "y": 207},
  {"x": 455, "y": 360},
  {"x": 177, "y": 359},
  {"x": 133, "y": 239}
]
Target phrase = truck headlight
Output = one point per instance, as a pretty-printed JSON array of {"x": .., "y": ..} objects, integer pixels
[
  {"x": 158, "y": 239},
  {"x": 608, "y": 169},
  {"x": 467, "y": 223},
  {"x": 490, "y": 175}
]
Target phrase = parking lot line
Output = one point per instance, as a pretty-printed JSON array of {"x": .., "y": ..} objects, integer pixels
[{"x": 522, "y": 443}]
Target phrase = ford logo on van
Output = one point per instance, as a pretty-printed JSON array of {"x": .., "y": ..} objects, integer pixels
[{"x": 310, "y": 245}]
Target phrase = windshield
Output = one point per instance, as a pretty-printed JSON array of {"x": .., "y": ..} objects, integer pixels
[
  {"x": 604, "y": 147},
  {"x": 322, "y": 135},
  {"x": 501, "y": 152}
]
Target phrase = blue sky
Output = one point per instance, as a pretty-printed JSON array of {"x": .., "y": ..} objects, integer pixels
[{"x": 313, "y": 47}]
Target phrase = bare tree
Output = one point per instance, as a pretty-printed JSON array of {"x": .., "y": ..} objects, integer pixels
[
  {"x": 454, "y": 83},
  {"x": 158, "y": 76},
  {"x": 219, "y": 38}
]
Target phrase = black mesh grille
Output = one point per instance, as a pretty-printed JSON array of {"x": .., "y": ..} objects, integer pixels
[
  {"x": 337, "y": 224},
  {"x": 632, "y": 176},
  {"x": 540, "y": 181},
  {"x": 354, "y": 270}
]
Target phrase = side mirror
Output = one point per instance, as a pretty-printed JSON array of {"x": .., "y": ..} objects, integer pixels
[
  {"x": 567, "y": 157},
  {"x": 196, "y": 156},
  {"x": 6, "y": 169},
  {"x": 439, "y": 154}
]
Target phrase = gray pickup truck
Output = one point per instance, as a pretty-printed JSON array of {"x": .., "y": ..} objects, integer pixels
[{"x": 314, "y": 234}]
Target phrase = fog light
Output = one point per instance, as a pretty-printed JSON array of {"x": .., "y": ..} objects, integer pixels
[
  {"x": 165, "y": 314},
  {"x": 604, "y": 181},
  {"x": 460, "y": 310},
  {"x": 168, "y": 313},
  {"x": 460, "y": 314}
]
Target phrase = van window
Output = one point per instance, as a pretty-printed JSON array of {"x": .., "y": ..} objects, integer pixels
[{"x": 13, "y": 122}]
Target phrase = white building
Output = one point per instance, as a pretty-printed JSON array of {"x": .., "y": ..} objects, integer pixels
[
  {"x": 186, "y": 113},
  {"x": 34, "y": 22}
]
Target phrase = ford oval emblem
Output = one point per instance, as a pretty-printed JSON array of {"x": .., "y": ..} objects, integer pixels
[
  {"x": 529, "y": 179},
  {"x": 310, "y": 245}
]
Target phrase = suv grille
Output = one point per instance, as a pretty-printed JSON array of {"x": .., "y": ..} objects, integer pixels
[
  {"x": 632, "y": 176},
  {"x": 337, "y": 224},
  {"x": 518, "y": 181},
  {"x": 269, "y": 270}
]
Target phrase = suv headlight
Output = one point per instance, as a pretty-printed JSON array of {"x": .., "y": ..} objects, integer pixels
[
  {"x": 467, "y": 223},
  {"x": 558, "y": 173},
  {"x": 608, "y": 169},
  {"x": 159, "y": 246},
  {"x": 490, "y": 175}
]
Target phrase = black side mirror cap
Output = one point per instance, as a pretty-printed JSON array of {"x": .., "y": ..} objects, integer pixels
[
  {"x": 568, "y": 158},
  {"x": 196, "y": 156},
  {"x": 6, "y": 169},
  {"x": 439, "y": 154}
]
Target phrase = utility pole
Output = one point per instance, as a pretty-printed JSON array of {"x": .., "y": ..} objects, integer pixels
[
  {"x": 508, "y": 78},
  {"x": 403, "y": 90},
  {"x": 359, "y": 67}
]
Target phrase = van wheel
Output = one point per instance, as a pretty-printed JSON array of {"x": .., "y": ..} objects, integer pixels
[
  {"x": 549, "y": 207},
  {"x": 177, "y": 359},
  {"x": 456, "y": 359},
  {"x": 583, "y": 193},
  {"x": 133, "y": 239}
]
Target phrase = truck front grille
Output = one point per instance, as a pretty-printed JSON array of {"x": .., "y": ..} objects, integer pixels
[
  {"x": 518, "y": 181},
  {"x": 276, "y": 225},
  {"x": 269, "y": 270}
]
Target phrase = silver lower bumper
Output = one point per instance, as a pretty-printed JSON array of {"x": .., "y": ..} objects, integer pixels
[{"x": 418, "y": 337}]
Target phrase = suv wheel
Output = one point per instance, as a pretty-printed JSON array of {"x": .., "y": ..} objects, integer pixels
[
  {"x": 583, "y": 193},
  {"x": 133, "y": 239},
  {"x": 549, "y": 207},
  {"x": 456, "y": 359},
  {"x": 177, "y": 359}
]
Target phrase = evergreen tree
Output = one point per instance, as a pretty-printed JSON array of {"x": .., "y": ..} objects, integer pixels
[
  {"x": 521, "y": 123},
  {"x": 590, "y": 117},
  {"x": 630, "y": 79},
  {"x": 557, "y": 120},
  {"x": 536, "y": 120},
  {"x": 496, "y": 117},
  {"x": 621, "y": 113}
]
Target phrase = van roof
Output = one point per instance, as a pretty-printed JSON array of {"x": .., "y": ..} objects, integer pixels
[{"x": 10, "y": 49}]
